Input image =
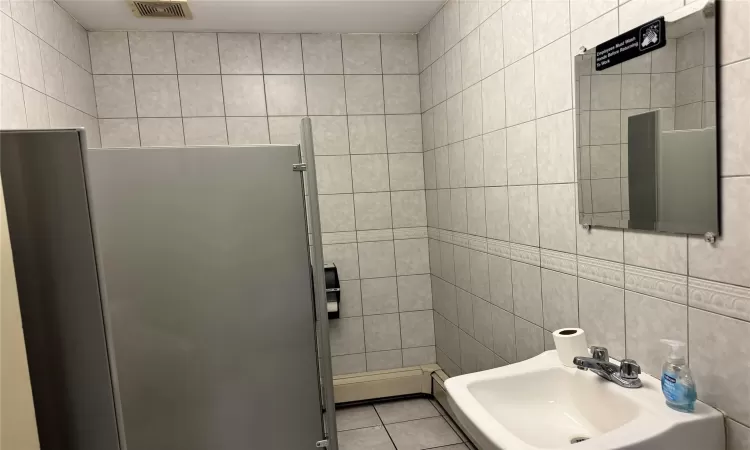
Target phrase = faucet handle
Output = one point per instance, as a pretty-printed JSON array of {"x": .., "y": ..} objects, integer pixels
[
  {"x": 629, "y": 369},
  {"x": 600, "y": 353}
]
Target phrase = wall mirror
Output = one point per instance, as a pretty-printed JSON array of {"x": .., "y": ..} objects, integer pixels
[{"x": 646, "y": 139}]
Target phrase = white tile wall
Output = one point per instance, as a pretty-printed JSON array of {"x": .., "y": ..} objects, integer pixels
[
  {"x": 45, "y": 72},
  {"x": 627, "y": 289},
  {"x": 362, "y": 92}
]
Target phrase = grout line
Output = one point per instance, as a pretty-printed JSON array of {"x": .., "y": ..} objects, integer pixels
[
  {"x": 135, "y": 102},
  {"x": 221, "y": 84}
]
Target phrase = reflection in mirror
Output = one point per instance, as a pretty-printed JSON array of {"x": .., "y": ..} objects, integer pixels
[{"x": 646, "y": 134}]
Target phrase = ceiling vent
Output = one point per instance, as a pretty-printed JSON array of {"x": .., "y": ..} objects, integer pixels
[{"x": 175, "y": 9}]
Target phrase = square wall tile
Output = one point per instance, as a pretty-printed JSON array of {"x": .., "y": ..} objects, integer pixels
[
  {"x": 109, "y": 52},
  {"x": 519, "y": 97},
  {"x": 551, "y": 20},
  {"x": 373, "y": 211},
  {"x": 379, "y": 296},
  {"x": 602, "y": 314},
  {"x": 336, "y": 213},
  {"x": 370, "y": 173},
  {"x": 205, "y": 130},
  {"x": 382, "y": 332},
  {"x": 334, "y": 174},
  {"x": 285, "y": 95},
  {"x": 483, "y": 323},
  {"x": 197, "y": 53},
  {"x": 475, "y": 211},
  {"x": 442, "y": 167},
  {"x": 444, "y": 209},
  {"x": 471, "y": 59},
  {"x": 152, "y": 52},
  {"x": 504, "y": 334},
  {"x": 321, "y": 53},
  {"x": 389, "y": 359},
  {"x": 555, "y": 148},
  {"x": 735, "y": 103},
  {"x": 465, "y": 302},
  {"x": 557, "y": 218},
  {"x": 522, "y": 163},
  {"x": 364, "y": 94},
  {"x": 325, "y": 95},
  {"x": 247, "y": 130},
  {"x": 480, "y": 278},
  {"x": 367, "y": 134},
  {"x": 399, "y": 53},
  {"x": 284, "y": 130},
  {"x": 468, "y": 16},
  {"x": 529, "y": 339},
  {"x": 472, "y": 111},
  {"x": 719, "y": 341},
  {"x": 282, "y": 53},
  {"x": 524, "y": 215},
  {"x": 495, "y": 171},
  {"x": 414, "y": 293},
  {"x": 401, "y": 94},
  {"x": 119, "y": 133},
  {"x": 423, "y": 47},
  {"x": 517, "y": 30},
  {"x": 493, "y": 102},
  {"x": 244, "y": 95},
  {"x": 496, "y": 210},
  {"x": 409, "y": 209},
  {"x": 240, "y": 53},
  {"x": 347, "y": 336},
  {"x": 115, "y": 96},
  {"x": 52, "y": 70},
  {"x": 438, "y": 81},
  {"x": 559, "y": 300},
  {"x": 726, "y": 260},
  {"x": 418, "y": 356},
  {"x": 647, "y": 320},
  {"x": 361, "y": 54},
  {"x": 412, "y": 257},
  {"x": 404, "y": 133},
  {"x": 406, "y": 171},
  {"x": 428, "y": 131},
  {"x": 161, "y": 132},
  {"x": 461, "y": 261},
  {"x": 330, "y": 136},
  {"x": 425, "y": 90},
  {"x": 552, "y": 78},
  {"x": 29, "y": 57},
  {"x": 201, "y": 95},
  {"x": 474, "y": 162},
  {"x": 417, "y": 329},
  {"x": 440, "y": 125},
  {"x": 376, "y": 259},
  {"x": 455, "y": 118},
  {"x": 451, "y": 24},
  {"x": 447, "y": 262},
  {"x": 656, "y": 251},
  {"x": 351, "y": 298},
  {"x": 501, "y": 293},
  {"x": 346, "y": 364},
  {"x": 459, "y": 216},
  {"x": 437, "y": 36},
  {"x": 491, "y": 44},
  {"x": 346, "y": 258},
  {"x": 456, "y": 164},
  {"x": 527, "y": 292},
  {"x": 453, "y": 81},
  {"x": 157, "y": 96}
]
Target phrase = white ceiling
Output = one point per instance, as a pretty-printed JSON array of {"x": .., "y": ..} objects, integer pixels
[{"x": 273, "y": 16}]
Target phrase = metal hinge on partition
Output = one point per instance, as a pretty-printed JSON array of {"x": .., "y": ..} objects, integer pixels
[
  {"x": 301, "y": 167},
  {"x": 322, "y": 444}
]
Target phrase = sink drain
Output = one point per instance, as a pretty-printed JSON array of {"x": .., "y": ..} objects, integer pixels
[{"x": 578, "y": 439}]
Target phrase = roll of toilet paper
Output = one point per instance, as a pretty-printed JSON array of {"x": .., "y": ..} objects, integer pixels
[{"x": 570, "y": 342}]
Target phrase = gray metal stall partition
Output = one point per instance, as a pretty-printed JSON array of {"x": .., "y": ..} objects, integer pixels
[{"x": 204, "y": 293}]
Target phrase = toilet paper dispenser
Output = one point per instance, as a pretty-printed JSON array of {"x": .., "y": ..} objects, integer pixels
[{"x": 333, "y": 291}]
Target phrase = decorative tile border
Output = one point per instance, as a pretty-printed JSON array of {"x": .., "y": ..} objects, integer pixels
[
  {"x": 559, "y": 261},
  {"x": 478, "y": 243},
  {"x": 342, "y": 237},
  {"x": 733, "y": 301},
  {"x": 524, "y": 253},
  {"x": 433, "y": 233},
  {"x": 375, "y": 235},
  {"x": 606, "y": 272},
  {"x": 498, "y": 248},
  {"x": 668, "y": 286},
  {"x": 410, "y": 233},
  {"x": 461, "y": 239}
]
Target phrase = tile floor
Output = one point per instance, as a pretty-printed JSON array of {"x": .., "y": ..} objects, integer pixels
[{"x": 412, "y": 424}]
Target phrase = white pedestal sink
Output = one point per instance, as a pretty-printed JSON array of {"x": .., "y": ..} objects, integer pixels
[{"x": 541, "y": 404}]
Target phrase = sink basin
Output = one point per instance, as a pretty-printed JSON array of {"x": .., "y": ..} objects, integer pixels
[{"x": 541, "y": 404}]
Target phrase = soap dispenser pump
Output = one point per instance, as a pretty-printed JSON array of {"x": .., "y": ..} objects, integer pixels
[{"x": 676, "y": 379}]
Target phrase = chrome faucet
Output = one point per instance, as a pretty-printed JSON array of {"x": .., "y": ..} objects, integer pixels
[{"x": 625, "y": 375}]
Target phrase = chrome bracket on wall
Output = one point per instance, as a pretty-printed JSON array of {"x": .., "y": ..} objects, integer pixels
[
  {"x": 299, "y": 167},
  {"x": 322, "y": 444}
]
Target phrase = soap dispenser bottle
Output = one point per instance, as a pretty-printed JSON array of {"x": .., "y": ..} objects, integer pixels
[{"x": 676, "y": 379}]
